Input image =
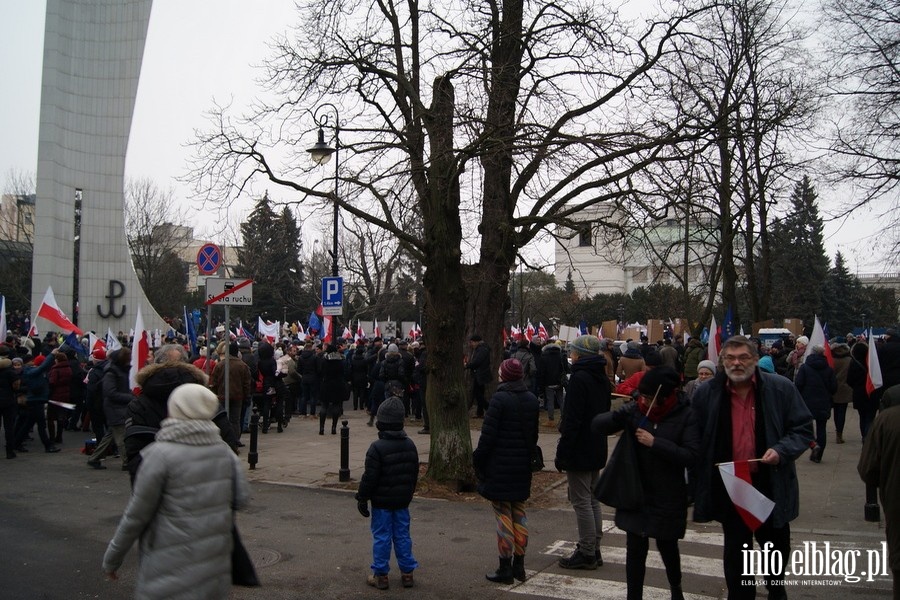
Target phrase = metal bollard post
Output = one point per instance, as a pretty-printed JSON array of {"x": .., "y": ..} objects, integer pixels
[
  {"x": 253, "y": 455},
  {"x": 872, "y": 511},
  {"x": 344, "y": 471}
]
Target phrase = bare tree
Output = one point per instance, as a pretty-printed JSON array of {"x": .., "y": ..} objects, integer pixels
[
  {"x": 157, "y": 239},
  {"x": 499, "y": 119},
  {"x": 16, "y": 238}
]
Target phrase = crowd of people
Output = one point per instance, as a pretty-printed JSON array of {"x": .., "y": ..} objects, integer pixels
[{"x": 764, "y": 405}]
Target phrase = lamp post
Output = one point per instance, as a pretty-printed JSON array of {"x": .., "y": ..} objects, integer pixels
[{"x": 321, "y": 153}]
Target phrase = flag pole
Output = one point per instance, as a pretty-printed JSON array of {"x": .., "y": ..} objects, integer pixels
[
  {"x": 643, "y": 422},
  {"x": 731, "y": 461}
]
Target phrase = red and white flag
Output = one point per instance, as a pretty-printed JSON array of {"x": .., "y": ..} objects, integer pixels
[
  {"x": 376, "y": 331},
  {"x": 753, "y": 507},
  {"x": 3, "y": 321},
  {"x": 529, "y": 331},
  {"x": 95, "y": 342},
  {"x": 360, "y": 334},
  {"x": 327, "y": 329},
  {"x": 33, "y": 332},
  {"x": 818, "y": 339},
  {"x": 348, "y": 335},
  {"x": 50, "y": 310},
  {"x": 542, "y": 331},
  {"x": 515, "y": 333},
  {"x": 715, "y": 342},
  {"x": 268, "y": 330},
  {"x": 140, "y": 351},
  {"x": 874, "y": 380}
]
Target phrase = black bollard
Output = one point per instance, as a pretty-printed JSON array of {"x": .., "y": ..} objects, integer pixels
[
  {"x": 253, "y": 455},
  {"x": 344, "y": 471},
  {"x": 871, "y": 510}
]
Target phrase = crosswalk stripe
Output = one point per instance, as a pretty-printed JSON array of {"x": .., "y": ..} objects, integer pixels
[
  {"x": 567, "y": 587},
  {"x": 696, "y": 565}
]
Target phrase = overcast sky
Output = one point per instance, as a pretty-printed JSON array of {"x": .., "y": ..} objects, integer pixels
[{"x": 199, "y": 51}]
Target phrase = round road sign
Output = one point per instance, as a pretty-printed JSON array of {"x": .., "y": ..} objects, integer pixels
[{"x": 209, "y": 258}]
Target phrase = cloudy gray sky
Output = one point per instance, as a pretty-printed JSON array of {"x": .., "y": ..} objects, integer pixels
[{"x": 199, "y": 51}]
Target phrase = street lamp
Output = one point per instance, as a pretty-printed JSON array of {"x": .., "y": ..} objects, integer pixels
[{"x": 321, "y": 153}]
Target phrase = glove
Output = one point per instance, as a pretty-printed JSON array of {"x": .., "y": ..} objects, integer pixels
[{"x": 363, "y": 507}]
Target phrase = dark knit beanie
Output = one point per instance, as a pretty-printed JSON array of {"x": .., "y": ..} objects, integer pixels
[
  {"x": 653, "y": 359},
  {"x": 511, "y": 370},
  {"x": 664, "y": 379},
  {"x": 391, "y": 414},
  {"x": 234, "y": 349}
]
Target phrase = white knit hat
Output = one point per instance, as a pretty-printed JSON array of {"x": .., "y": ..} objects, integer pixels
[{"x": 193, "y": 401}]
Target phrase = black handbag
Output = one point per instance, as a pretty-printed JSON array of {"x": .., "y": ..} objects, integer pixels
[
  {"x": 242, "y": 570},
  {"x": 620, "y": 483}
]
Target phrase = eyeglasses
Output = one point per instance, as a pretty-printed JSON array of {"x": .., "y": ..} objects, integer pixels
[{"x": 743, "y": 358}]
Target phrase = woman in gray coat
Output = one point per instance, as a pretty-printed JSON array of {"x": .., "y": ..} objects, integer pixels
[{"x": 181, "y": 508}]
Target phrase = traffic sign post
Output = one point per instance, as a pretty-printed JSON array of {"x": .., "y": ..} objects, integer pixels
[
  {"x": 209, "y": 259},
  {"x": 332, "y": 296}
]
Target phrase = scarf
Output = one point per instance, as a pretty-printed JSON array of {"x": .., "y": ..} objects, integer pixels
[
  {"x": 191, "y": 432},
  {"x": 659, "y": 410}
]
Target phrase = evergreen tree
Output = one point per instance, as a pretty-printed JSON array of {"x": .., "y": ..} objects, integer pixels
[
  {"x": 270, "y": 255},
  {"x": 841, "y": 301},
  {"x": 799, "y": 263}
]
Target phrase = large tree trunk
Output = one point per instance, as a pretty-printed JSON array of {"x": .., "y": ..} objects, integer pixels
[{"x": 445, "y": 300}]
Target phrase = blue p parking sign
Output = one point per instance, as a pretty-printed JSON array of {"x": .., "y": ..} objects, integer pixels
[{"x": 332, "y": 295}]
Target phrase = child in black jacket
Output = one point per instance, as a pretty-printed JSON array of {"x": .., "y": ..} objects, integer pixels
[{"x": 389, "y": 481}]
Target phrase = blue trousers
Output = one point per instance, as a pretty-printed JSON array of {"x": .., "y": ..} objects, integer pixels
[{"x": 391, "y": 527}]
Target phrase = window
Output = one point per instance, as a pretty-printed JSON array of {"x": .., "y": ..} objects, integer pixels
[{"x": 585, "y": 237}]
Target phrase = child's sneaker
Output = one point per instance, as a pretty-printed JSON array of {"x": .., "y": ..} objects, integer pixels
[
  {"x": 407, "y": 579},
  {"x": 379, "y": 581}
]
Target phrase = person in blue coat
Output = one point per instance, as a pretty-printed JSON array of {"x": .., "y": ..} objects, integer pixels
[
  {"x": 37, "y": 394},
  {"x": 817, "y": 384},
  {"x": 502, "y": 462}
]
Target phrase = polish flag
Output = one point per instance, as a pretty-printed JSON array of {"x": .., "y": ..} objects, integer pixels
[
  {"x": 268, "y": 330},
  {"x": 515, "y": 333},
  {"x": 753, "y": 507},
  {"x": 418, "y": 331},
  {"x": 360, "y": 334},
  {"x": 715, "y": 342},
  {"x": 140, "y": 351},
  {"x": 348, "y": 335},
  {"x": 95, "y": 342},
  {"x": 874, "y": 380},
  {"x": 112, "y": 342},
  {"x": 50, "y": 310},
  {"x": 327, "y": 326},
  {"x": 542, "y": 331},
  {"x": 376, "y": 331},
  {"x": 3, "y": 321},
  {"x": 33, "y": 332},
  {"x": 818, "y": 339},
  {"x": 505, "y": 337},
  {"x": 529, "y": 331}
]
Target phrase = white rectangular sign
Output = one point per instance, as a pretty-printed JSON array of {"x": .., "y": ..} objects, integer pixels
[{"x": 231, "y": 292}]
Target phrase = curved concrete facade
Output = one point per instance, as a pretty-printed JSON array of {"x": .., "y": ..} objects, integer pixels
[{"x": 92, "y": 61}]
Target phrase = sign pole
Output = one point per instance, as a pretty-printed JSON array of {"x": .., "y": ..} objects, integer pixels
[{"x": 227, "y": 362}]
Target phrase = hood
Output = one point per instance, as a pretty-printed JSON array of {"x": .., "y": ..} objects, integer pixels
[
  {"x": 158, "y": 381},
  {"x": 265, "y": 351},
  {"x": 840, "y": 350},
  {"x": 891, "y": 397},
  {"x": 551, "y": 348}
]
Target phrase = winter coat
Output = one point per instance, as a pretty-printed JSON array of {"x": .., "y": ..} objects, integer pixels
[
  {"x": 480, "y": 364},
  {"x": 391, "y": 471},
  {"x": 333, "y": 388},
  {"x": 34, "y": 379},
  {"x": 551, "y": 367},
  {"x": 692, "y": 357},
  {"x": 240, "y": 387},
  {"x": 816, "y": 382},
  {"x": 60, "y": 378},
  {"x": 856, "y": 378},
  {"x": 8, "y": 377},
  {"x": 309, "y": 366},
  {"x": 878, "y": 466},
  {"x": 629, "y": 365},
  {"x": 509, "y": 433},
  {"x": 528, "y": 367},
  {"x": 889, "y": 361},
  {"x": 181, "y": 510},
  {"x": 147, "y": 411},
  {"x": 116, "y": 393},
  {"x": 359, "y": 369},
  {"x": 669, "y": 357},
  {"x": 288, "y": 366},
  {"x": 587, "y": 396},
  {"x": 676, "y": 447},
  {"x": 392, "y": 369},
  {"x": 840, "y": 353},
  {"x": 783, "y": 423}
]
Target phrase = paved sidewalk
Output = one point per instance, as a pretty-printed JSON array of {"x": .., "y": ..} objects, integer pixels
[{"x": 832, "y": 496}]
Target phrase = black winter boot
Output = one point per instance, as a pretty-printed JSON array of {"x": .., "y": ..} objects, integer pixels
[
  {"x": 503, "y": 574},
  {"x": 322, "y": 424},
  {"x": 677, "y": 594},
  {"x": 518, "y": 567}
]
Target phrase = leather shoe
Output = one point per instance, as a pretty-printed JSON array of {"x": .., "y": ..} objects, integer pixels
[
  {"x": 52, "y": 449},
  {"x": 96, "y": 465}
]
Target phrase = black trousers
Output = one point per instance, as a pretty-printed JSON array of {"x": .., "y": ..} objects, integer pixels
[
  {"x": 34, "y": 415},
  {"x": 636, "y": 548},
  {"x": 8, "y": 419},
  {"x": 737, "y": 535}
]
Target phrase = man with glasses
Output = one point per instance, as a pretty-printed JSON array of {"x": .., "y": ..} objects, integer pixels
[{"x": 746, "y": 414}]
